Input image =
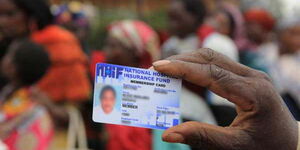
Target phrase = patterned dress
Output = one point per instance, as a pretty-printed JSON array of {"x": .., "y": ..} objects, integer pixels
[{"x": 35, "y": 132}]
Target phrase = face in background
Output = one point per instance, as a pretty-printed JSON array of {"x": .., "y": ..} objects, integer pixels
[
  {"x": 223, "y": 23},
  {"x": 117, "y": 53},
  {"x": 256, "y": 33},
  {"x": 181, "y": 22},
  {"x": 289, "y": 39},
  {"x": 13, "y": 22},
  {"x": 108, "y": 100},
  {"x": 8, "y": 68}
]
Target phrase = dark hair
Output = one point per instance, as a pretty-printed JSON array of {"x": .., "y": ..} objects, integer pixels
[
  {"x": 196, "y": 8},
  {"x": 107, "y": 88},
  {"x": 37, "y": 9},
  {"x": 31, "y": 61},
  {"x": 232, "y": 24}
]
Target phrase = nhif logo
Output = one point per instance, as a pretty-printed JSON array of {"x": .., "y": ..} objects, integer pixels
[{"x": 110, "y": 71}]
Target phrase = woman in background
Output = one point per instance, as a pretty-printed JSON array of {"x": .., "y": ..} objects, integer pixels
[
  {"x": 230, "y": 22},
  {"x": 285, "y": 64},
  {"x": 66, "y": 81},
  {"x": 260, "y": 46},
  {"x": 24, "y": 124},
  {"x": 130, "y": 43}
]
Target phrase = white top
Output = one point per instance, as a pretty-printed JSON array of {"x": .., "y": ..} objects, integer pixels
[
  {"x": 99, "y": 116},
  {"x": 289, "y": 71},
  {"x": 222, "y": 44},
  {"x": 176, "y": 45},
  {"x": 193, "y": 107},
  {"x": 3, "y": 146}
]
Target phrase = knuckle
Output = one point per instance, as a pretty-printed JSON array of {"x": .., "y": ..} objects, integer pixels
[
  {"x": 218, "y": 73},
  {"x": 199, "y": 140},
  {"x": 174, "y": 57},
  {"x": 208, "y": 54},
  {"x": 263, "y": 75},
  {"x": 264, "y": 94}
]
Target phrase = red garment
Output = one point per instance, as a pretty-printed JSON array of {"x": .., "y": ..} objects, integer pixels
[
  {"x": 141, "y": 37},
  {"x": 67, "y": 77},
  {"x": 138, "y": 36},
  {"x": 204, "y": 31},
  {"x": 128, "y": 138},
  {"x": 36, "y": 133},
  {"x": 260, "y": 16},
  {"x": 122, "y": 137},
  {"x": 96, "y": 57}
]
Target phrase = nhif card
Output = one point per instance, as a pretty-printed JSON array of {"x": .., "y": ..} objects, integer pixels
[{"x": 135, "y": 97}]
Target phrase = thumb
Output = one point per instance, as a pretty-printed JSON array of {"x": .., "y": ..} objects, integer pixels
[{"x": 200, "y": 135}]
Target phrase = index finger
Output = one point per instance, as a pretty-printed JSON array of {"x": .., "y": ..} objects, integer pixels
[
  {"x": 208, "y": 56},
  {"x": 233, "y": 87}
]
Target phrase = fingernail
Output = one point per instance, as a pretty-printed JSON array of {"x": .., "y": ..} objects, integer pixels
[
  {"x": 151, "y": 68},
  {"x": 173, "y": 138},
  {"x": 161, "y": 63}
]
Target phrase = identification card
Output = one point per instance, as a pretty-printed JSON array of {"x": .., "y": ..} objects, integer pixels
[{"x": 135, "y": 97}]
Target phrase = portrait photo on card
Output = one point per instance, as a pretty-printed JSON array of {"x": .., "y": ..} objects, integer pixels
[{"x": 107, "y": 104}]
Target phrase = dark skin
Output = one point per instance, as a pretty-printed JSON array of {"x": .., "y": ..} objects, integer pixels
[
  {"x": 57, "y": 111},
  {"x": 223, "y": 23},
  {"x": 14, "y": 23},
  {"x": 181, "y": 22},
  {"x": 9, "y": 70},
  {"x": 290, "y": 40},
  {"x": 256, "y": 33},
  {"x": 263, "y": 121},
  {"x": 117, "y": 53}
]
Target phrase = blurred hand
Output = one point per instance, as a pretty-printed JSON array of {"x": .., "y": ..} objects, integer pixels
[
  {"x": 58, "y": 111},
  {"x": 39, "y": 96},
  {"x": 263, "y": 121}
]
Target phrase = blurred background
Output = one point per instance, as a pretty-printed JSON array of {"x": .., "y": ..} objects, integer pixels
[
  {"x": 154, "y": 12},
  {"x": 49, "y": 50}
]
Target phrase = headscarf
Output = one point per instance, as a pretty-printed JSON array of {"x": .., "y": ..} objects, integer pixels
[
  {"x": 239, "y": 36},
  {"x": 260, "y": 16},
  {"x": 139, "y": 36}
]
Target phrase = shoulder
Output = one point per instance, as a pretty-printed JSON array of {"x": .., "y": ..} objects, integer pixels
[
  {"x": 53, "y": 33},
  {"x": 222, "y": 44}
]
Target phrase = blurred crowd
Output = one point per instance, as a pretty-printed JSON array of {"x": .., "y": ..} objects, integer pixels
[{"x": 48, "y": 67}]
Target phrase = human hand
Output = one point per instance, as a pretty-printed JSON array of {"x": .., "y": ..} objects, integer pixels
[{"x": 263, "y": 121}]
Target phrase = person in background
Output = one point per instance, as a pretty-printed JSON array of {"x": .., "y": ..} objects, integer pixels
[
  {"x": 227, "y": 20},
  {"x": 230, "y": 22},
  {"x": 259, "y": 26},
  {"x": 285, "y": 65},
  {"x": 184, "y": 18},
  {"x": 130, "y": 43},
  {"x": 73, "y": 17},
  {"x": 66, "y": 81},
  {"x": 24, "y": 124},
  {"x": 188, "y": 33}
]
